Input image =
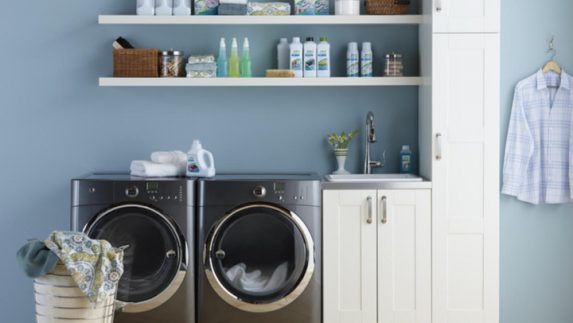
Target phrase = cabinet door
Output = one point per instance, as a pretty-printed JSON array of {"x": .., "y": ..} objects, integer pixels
[
  {"x": 404, "y": 256},
  {"x": 465, "y": 178},
  {"x": 349, "y": 256},
  {"x": 466, "y": 16}
]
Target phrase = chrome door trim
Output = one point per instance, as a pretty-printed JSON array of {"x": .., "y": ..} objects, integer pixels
[
  {"x": 250, "y": 306},
  {"x": 167, "y": 293}
]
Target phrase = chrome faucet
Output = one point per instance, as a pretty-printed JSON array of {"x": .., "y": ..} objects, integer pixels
[{"x": 371, "y": 138}]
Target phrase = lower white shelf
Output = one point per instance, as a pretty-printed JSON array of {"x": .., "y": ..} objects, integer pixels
[{"x": 261, "y": 81}]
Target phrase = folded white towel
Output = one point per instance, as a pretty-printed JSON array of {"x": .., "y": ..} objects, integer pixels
[
  {"x": 144, "y": 168},
  {"x": 233, "y": 2},
  {"x": 170, "y": 157}
]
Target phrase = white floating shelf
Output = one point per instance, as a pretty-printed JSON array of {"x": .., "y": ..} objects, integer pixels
[
  {"x": 261, "y": 81},
  {"x": 260, "y": 20}
]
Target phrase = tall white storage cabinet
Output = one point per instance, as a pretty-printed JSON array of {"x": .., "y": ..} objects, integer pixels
[
  {"x": 459, "y": 121},
  {"x": 377, "y": 256}
]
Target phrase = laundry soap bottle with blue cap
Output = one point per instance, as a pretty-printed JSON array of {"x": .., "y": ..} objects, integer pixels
[{"x": 200, "y": 162}]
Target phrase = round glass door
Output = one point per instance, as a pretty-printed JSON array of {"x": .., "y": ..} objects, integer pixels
[
  {"x": 154, "y": 253},
  {"x": 260, "y": 257}
]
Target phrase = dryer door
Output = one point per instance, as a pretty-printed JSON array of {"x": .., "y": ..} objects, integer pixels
[
  {"x": 259, "y": 257},
  {"x": 155, "y": 254}
]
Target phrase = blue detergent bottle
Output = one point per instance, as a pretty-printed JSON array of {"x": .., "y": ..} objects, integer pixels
[
  {"x": 406, "y": 160},
  {"x": 222, "y": 65}
]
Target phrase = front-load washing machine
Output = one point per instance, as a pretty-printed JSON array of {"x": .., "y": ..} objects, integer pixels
[
  {"x": 152, "y": 219},
  {"x": 259, "y": 249}
]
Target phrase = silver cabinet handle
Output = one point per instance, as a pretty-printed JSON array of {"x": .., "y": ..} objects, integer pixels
[
  {"x": 384, "y": 210},
  {"x": 438, "y": 146},
  {"x": 438, "y": 5},
  {"x": 369, "y": 201}
]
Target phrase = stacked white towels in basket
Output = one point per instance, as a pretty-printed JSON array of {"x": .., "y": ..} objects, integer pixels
[{"x": 162, "y": 164}]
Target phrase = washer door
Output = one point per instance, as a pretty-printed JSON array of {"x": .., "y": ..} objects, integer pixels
[
  {"x": 155, "y": 255},
  {"x": 259, "y": 257}
]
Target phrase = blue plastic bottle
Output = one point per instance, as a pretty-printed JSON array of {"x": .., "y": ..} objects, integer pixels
[
  {"x": 406, "y": 160},
  {"x": 222, "y": 65}
]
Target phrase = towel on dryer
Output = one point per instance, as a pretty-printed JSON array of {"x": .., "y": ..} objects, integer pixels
[{"x": 144, "y": 168}]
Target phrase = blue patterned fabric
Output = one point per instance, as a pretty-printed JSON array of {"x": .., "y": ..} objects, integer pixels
[
  {"x": 93, "y": 264},
  {"x": 538, "y": 164}
]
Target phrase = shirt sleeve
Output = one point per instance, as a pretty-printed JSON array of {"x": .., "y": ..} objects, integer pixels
[{"x": 517, "y": 149}]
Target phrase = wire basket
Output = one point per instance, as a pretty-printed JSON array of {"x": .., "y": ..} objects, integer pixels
[
  {"x": 135, "y": 63},
  {"x": 59, "y": 300},
  {"x": 386, "y": 7}
]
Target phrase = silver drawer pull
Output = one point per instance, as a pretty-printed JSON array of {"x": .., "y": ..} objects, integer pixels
[
  {"x": 384, "y": 210},
  {"x": 369, "y": 201},
  {"x": 438, "y": 146}
]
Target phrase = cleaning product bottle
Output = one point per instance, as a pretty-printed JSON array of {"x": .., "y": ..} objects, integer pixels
[
  {"x": 406, "y": 160},
  {"x": 309, "y": 57},
  {"x": 222, "y": 65},
  {"x": 182, "y": 7},
  {"x": 366, "y": 59},
  {"x": 352, "y": 60},
  {"x": 164, "y": 7},
  {"x": 246, "y": 60},
  {"x": 200, "y": 162},
  {"x": 234, "y": 70},
  {"x": 296, "y": 57},
  {"x": 283, "y": 53},
  {"x": 145, "y": 7},
  {"x": 323, "y": 58}
]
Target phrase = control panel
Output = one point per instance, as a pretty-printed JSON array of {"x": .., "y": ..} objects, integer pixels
[
  {"x": 280, "y": 192},
  {"x": 151, "y": 191}
]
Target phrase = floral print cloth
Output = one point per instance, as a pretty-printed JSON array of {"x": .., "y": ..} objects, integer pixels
[{"x": 94, "y": 265}]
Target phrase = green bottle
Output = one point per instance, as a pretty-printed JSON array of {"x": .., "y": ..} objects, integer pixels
[
  {"x": 246, "y": 70},
  {"x": 234, "y": 70}
]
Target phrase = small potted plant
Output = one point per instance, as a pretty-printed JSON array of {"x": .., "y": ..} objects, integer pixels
[{"x": 340, "y": 145}]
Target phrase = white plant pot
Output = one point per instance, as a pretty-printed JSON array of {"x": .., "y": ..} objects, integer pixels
[{"x": 341, "y": 160}]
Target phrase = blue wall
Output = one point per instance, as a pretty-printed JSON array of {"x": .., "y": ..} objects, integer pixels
[
  {"x": 536, "y": 241},
  {"x": 56, "y": 123}
]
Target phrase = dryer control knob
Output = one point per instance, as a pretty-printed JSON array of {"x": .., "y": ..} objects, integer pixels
[
  {"x": 260, "y": 191},
  {"x": 132, "y": 191}
]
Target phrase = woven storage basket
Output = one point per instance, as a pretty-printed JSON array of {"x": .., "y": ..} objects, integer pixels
[
  {"x": 136, "y": 63},
  {"x": 386, "y": 7},
  {"x": 59, "y": 300}
]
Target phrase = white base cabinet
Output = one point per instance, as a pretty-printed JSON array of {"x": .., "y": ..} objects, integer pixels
[{"x": 377, "y": 256}]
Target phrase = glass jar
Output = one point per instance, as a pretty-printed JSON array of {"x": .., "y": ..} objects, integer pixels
[
  {"x": 393, "y": 65},
  {"x": 171, "y": 64}
]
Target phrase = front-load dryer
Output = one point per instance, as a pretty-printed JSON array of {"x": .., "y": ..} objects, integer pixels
[
  {"x": 152, "y": 219},
  {"x": 259, "y": 249}
]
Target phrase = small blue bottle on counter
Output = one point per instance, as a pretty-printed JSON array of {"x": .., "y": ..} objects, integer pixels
[{"x": 406, "y": 160}]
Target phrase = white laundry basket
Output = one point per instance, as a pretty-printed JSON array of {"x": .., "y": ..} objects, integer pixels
[{"x": 59, "y": 300}]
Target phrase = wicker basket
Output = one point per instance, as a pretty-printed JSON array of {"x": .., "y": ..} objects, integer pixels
[
  {"x": 386, "y": 7},
  {"x": 59, "y": 300},
  {"x": 136, "y": 63}
]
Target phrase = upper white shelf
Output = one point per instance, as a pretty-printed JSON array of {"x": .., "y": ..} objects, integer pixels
[
  {"x": 260, "y": 20},
  {"x": 261, "y": 81}
]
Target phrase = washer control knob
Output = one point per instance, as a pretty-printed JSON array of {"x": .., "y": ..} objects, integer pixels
[
  {"x": 260, "y": 191},
  {"x": 132, "y": 192}
]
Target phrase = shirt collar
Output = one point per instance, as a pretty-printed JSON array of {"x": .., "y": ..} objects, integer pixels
[{"x": 542, "y": 82}]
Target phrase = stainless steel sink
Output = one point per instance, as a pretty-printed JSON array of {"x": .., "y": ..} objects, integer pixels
[{"x": 368, "y": 178}]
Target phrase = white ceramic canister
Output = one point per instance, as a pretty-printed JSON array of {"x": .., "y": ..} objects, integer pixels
[
  {"x": 163, "y": 7},
  {"x": 182, "y": 7},
  {"x": 347, "y": 8},
  {"x": 145, "y": 8}
]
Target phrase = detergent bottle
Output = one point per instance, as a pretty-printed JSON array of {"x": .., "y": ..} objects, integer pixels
[{"x": 200, "y": 162}]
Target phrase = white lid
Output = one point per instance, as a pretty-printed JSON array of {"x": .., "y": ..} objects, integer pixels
[
  {"x": 234, "y": 44},
  {"x": 196, "y": 145},
  {"x": 246, "y": 43},
  {"x": 353, "y": 46},
  {"x": 406, "y": 147},
  {"x": 284, "y": 40},
  {"x": 367, "y": 46},
  {"x": 222, "y": 42},
  {"x": 296, "y": 39}
]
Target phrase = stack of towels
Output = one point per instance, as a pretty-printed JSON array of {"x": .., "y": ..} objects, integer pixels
[
  {"x": 232, "y": 7},
  {"x": 268, "y": 9},
  {"x": 162, "y": 164},
  {"x": 203, "y": 66}
]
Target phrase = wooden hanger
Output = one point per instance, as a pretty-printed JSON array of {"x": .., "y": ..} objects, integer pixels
[{"x": 552, "y": 65}]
